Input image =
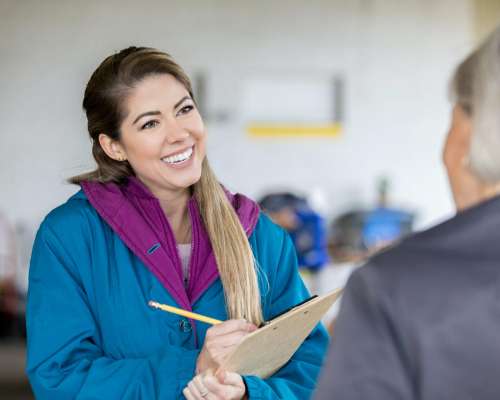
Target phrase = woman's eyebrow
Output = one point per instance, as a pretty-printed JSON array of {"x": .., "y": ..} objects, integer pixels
[
  {"x": 181, "y": 101},
  {"x": 144, "y": 114}
]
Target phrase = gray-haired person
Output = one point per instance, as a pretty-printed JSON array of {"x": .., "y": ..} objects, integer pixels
[{"x": 422, "y": 320}]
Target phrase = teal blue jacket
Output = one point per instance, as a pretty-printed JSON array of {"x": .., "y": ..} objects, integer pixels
[{"x": 91, "y": 334}]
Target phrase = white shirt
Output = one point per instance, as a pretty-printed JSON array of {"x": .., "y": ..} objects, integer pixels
[{"x": 185, "y": 254}]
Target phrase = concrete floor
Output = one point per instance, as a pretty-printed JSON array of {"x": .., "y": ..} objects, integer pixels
[{"x": 13, "y": 382}]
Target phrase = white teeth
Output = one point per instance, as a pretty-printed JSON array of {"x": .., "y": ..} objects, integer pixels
[{"x": 178, "y": 157}]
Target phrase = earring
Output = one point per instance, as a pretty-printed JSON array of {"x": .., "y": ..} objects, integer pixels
[{"x": 121, "y": 158}]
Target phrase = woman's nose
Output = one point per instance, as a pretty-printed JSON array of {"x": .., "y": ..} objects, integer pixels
[{"x": 176, "y": 133}]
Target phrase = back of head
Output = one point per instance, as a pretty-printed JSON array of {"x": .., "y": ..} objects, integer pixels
[{"x": 476, "y": 88}]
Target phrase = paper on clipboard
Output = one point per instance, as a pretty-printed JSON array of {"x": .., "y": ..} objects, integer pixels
[{"x": 267, "y": 349}]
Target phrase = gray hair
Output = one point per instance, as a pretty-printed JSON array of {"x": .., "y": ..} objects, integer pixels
[{"x": 476, "y": 88}]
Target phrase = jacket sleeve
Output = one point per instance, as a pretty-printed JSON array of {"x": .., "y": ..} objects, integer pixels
[
  {"x": 366, "y": 359},
  {"x": 297, "y": 378},
  {"x": 65, "y": 359}
]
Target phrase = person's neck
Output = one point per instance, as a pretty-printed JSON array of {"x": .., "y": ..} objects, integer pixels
[
  {"x": 489, "y": 191},
  {"x": 175, "y": 207},
  {"x": 484, "y": 192}
]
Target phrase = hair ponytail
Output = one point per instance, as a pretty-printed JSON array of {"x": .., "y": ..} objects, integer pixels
[{"x": 231, "y": 248}]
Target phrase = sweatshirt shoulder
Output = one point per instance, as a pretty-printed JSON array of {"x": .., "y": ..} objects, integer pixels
[
  {"x": 74, "y": 212},
  {"x": 268, "y": 231},
  {"x": 432, "y": 255},
  {"x": 270, "y": 242}
]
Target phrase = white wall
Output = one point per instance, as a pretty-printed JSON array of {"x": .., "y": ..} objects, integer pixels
[{"x": 396, "y": 57}]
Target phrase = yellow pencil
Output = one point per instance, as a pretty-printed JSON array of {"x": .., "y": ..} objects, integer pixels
[{"x": 184, "y": 313}]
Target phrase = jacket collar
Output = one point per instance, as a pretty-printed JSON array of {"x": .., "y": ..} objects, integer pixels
[{"x": 135, "y": 215}]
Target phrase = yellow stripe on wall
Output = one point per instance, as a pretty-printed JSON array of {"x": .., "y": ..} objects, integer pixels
[{"x": 280, "y": 130}]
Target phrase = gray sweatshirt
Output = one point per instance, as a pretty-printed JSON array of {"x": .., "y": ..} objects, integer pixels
[{"x": 422, "y": 320}]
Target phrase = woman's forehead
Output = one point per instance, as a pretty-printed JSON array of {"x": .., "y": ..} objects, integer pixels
[
  {"x": 164, "y": 87},
  {"x": 156, "y": 92}
]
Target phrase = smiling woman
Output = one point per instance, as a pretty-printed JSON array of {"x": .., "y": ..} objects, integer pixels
[
  {"x": 153, "y": 223},
  {"x": 164, "y": 145}
]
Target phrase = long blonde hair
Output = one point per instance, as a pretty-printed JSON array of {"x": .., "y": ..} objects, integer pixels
[{"x": 103, "y": 102}]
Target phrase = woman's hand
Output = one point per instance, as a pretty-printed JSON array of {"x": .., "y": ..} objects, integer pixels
[
  {"x": 226, "y": 386},
  {"x": 220, "y": 340}
]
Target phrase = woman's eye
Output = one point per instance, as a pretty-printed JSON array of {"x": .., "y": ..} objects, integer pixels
[
  {"x": 185, "y": 109},
  {"x": 149, "y": 124}
]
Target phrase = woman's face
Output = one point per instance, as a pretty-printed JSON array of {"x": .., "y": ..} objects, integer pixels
[
  {"x": 466, "y": 188},
  {"x": 162, "y": 136}
]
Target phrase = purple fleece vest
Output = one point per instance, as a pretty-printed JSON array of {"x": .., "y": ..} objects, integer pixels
[{"x": 135, "y": 215}]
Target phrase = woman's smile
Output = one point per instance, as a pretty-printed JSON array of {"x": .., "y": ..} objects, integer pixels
[{"x": 179, "y": 159}]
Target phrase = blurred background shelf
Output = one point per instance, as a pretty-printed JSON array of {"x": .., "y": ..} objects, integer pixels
[{"x": 13, "y": 381}]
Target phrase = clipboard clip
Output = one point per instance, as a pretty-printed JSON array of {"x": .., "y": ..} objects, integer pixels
[{"x": 287, "y": 310}]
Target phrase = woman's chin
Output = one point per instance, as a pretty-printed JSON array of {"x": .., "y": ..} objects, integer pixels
[{"x": 187, "y": 181}]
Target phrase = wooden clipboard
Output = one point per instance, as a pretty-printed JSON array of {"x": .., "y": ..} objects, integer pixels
[{"x": 266, "y": 350}]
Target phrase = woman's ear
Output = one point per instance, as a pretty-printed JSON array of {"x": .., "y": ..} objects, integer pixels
[
  {"x": 466, "y": 188},
  {"x": 457, "y": 145},
  {"x": 112, "y": 148}
]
